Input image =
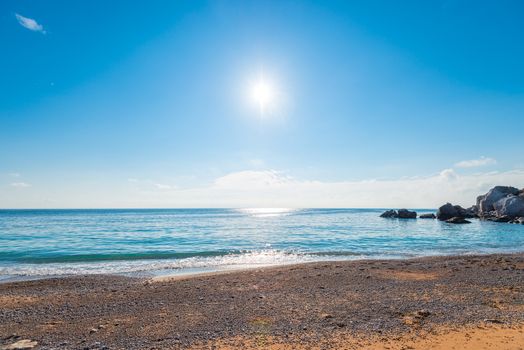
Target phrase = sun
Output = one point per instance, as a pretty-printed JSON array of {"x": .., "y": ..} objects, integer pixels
[{"x": 262, "y": 94}]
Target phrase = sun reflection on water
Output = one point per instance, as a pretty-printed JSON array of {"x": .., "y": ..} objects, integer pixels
[{"x": 266, "y": 212}]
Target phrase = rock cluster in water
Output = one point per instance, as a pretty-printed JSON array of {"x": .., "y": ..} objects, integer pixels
[
  {"x": 400, "y": 214},
  {"x": 500, "y": 204}
]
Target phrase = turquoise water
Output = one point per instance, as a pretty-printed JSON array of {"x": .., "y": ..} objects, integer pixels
[{"x": 35, "y": 243}]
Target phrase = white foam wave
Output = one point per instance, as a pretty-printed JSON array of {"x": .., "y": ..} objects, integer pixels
[{"x": 232, "y": 261}]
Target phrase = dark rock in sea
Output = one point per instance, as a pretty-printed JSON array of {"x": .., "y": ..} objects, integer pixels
[
  {"x": 511, "y": 205},
  {"x": 389, "y": 214},
  {"x": 472, "y": 212},
  {"x": 500, "y": 204},
  {"x": 458, "y": 220},
  {"x": 406, "y": 214},
  {"x": 428, "y": 216},
  {"x": 447, "y": 211},
  {"x": 485, "y": 202},
  {"x": 400, "y": 214},
  {"x": 518, "y": 221},
  {"x": 460, "y": 210},
  {"x": 495, "y": 218}
]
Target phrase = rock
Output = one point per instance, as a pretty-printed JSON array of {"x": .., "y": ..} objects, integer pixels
[
  {"x": 406, "y": 214},
  {"x": 401, "y": 214},
  {"x": 485, "y": 202},
  {"x": 494, "y": 218},
  {"x": 492, "y": 320},
  {"x": 460, "y": 211},
  {"x": 500, "y": 204},
  {"x": 20, "y": 345},
  {"x": 472, "y": 212},
  {"x": 512, "y": 206},
  {"x": 446, "y": 212},
  {"x": 458, "y": 220},
  {"x": 428, "y": 216},
  {"x": 422, "y": 313},
  {"x": 389, "y": 214}
]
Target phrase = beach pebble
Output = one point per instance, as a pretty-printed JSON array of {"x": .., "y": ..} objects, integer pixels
[
  {"x": 422, "y": 313},
  {"x": 493, "y": 320},
  {"x": 20, "y": 345}
]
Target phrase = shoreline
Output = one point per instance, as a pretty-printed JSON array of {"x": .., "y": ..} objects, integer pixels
[
  {"x": 267, "y": 268},
  {"x": 185, "y": 273},
  {"x": 299, "y": 305}
]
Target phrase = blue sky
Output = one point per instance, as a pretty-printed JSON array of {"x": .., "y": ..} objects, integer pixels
[{"x": 123, "y": 104}]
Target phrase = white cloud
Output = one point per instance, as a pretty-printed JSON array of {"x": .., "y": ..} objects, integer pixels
[
  {"x": 147, "y": 185},
  {"x": 252, "y": 179},
  {"x": 448, "y": 174},
  {"x": 14, "y": 174},
  {"x": 473, "y": 163},
  {"x": 20, "y": 184},
  {"x": 272, "y": 188},
  {"x": 165, "y": 187},
  {"x": 29, "y": 23},
  {"x": 257, "y": 163}
]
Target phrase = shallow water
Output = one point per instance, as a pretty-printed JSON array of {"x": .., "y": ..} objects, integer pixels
[{"x": 36, "y": 243}]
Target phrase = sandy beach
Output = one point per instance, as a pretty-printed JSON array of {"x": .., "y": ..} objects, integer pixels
[{"x": 470, "y": 302}]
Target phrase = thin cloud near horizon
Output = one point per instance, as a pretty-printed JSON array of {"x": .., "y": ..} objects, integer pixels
[
  {"x": 30, "y": 23},
  {"x": 20, "y": 184},
  {"x": 474, "y": 163},
  {"x": 273, "y": 188}
]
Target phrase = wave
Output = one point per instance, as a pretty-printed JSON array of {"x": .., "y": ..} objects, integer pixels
[
  {"x": 215, "y": 261},
  {"x": 76, "y": 258},
  {"x": 155, "y": 255},
  {"x": 227, "y": 261},
  {"x": 183, "y": 263}
]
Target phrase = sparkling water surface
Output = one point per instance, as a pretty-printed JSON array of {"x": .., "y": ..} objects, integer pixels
[{"x": 36, "y": 243}]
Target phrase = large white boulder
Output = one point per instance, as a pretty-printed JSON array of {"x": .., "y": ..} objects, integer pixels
[
  {"x": 512, "y": 206},
  {"x": 485, "y": 202}
]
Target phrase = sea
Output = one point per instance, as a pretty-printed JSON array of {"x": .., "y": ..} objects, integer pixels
[{"x": 157, "y": 242}]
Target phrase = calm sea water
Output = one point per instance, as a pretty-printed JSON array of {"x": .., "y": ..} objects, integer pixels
[{"x": 35, "y": 243}]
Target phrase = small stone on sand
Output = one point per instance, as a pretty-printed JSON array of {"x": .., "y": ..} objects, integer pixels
[{"x": 21, "y": 345}]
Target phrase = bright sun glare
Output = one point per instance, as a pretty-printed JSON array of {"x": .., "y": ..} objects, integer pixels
[{"x": 262, "y": 93}]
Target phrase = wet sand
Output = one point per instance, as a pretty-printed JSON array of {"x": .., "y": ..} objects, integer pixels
[{"x": 470, "y": 302}]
